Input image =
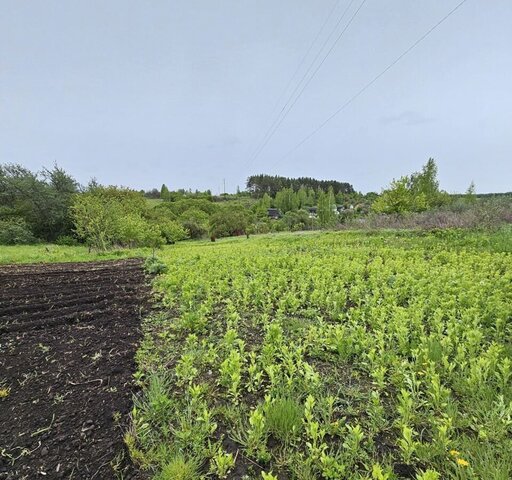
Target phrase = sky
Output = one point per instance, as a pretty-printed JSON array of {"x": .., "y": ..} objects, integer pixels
[{"x": 181, "y": 92}]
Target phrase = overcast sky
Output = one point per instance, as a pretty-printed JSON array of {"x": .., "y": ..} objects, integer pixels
[{"x": 137, "y": 93}]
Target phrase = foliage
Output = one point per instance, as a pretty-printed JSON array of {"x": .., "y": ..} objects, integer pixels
[
  {"x": 173, "y": 231},
  {"x": 286, "y": 200},
  {"x": 470, "y": 195},
  {"x": 284, "y": 418},
  {"x": 39, "y": 200},
  {"x": 228, "y": 222},
  {"x": 414, "y": 193},
  {"x": 155, "y": 266},
  {"x": 195, "y": 221},
  {"x": 486, "y": 213},
  {"x": 15, "y": 231},
  {"x": 399, "y": 199},
  {"x": 307, "y": 354},
  {"x": 327, "y": 213},
  {"x": 181, "y": 206},
  {"x": 260, "y": 184},
  {"x": 179, "y": 468},
  {"x": 298, "y": 220},
  {"x": 107, "y": 216},
  {"x": 164, "y": 193}
]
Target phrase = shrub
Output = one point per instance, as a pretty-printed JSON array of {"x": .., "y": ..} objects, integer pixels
[
  {"x": 172, "y": 231},
  {"x": 104, "y": 217},
  {"x": 155, "y": 266},
  {"x": 67, "y": 240},
  {"x": 15, "y": 232},
  {"x": 195, "y": 221},
  {"x": 228, "y": 222}
]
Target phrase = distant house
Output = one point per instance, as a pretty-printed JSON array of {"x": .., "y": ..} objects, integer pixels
[{"x": 274, "y": 213}]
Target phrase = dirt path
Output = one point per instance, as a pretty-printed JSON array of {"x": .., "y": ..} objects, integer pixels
[{"x": 68, "y": 335}]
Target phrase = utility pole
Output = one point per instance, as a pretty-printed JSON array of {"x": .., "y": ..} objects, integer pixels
[{"x": 224, "y": 182}]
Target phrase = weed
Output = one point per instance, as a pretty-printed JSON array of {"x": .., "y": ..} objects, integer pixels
[
  {"x": 4, "y": 392},
  {"x": 284, "y": 418},
  {"x": 179, "y": 468},
  {"x": 222, "y": 463}
]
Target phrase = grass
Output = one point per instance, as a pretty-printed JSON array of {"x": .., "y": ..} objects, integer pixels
[
  {"x": 49, "y": 253},
  {"x": 499, "y": 240},
  {"x": 179, "y": 468},
  {"x": 284, "y": 418}
]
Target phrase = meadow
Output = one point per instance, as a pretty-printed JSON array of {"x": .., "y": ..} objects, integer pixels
[
  {"x": 330, "y": 355},
  {"x": 50, "y": 253}
]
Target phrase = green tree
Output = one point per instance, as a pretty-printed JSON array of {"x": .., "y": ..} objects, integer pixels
[
  {"x": 261, "y": 207},
  {"x": 95, "y": 220},
  {"x": 195, "y": 221},
  {"x": 470, "y": 195},
  {"x": 171, "y": 231},
  {"x": 415, "y": 193},
  {"x": 15, "y": 231},
  {"x": 228, "y": 222},
  {"x": 107, "y": 216},
  {"x": 326, "y": 211},
  {"x": 40, "y": 200},
  {"x": 425, "y": 187},
  {"x": 164, "y": 193},
  {"x": 302, "y": 198},
  {"x": 286, "y": 200}
]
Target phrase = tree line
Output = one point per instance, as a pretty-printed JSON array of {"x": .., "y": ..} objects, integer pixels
[
  {"x": 51, "y": 206},
  {"x": 258, "y": 185}
]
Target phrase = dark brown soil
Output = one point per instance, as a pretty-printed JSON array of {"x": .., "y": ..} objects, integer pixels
[{"x": 68, "y": 335}]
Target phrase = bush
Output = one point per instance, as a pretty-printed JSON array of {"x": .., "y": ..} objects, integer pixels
[
  {"x": 488, "y": 214},
  {"x": 172, "y": 231},
  {"x": 278, "y": 226},
  {"x": 15, "y": 232},
  {"x": 195, "y": 221},
  {"x": 228, "y": 222},
  {"x": 105, "y": 217},
  {"x": 41, "y": 199},
  {"x": 67, "y": 240},
  {"x": 155, "y": 266},
  {"x": 261, "y": 227}
]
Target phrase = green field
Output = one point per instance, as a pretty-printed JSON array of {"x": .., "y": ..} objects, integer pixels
[
  {"x": 330, "y": 355},
  {"x": 49, "y": 253}
]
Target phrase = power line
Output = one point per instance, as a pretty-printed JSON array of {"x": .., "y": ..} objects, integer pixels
[
  {"x": 278, "y": 120},
  {"x": 306, "y": 55},
  {"x": 375, "y": 79}
]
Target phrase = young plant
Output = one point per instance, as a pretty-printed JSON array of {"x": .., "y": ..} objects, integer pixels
[
  {"x": 256, "y": 435},
  {"x": 231, "y": 373},
  {"x": 222, "y": 463},
  {"x": 314, "y": 433},
  {"x": 407, "y": 444}
]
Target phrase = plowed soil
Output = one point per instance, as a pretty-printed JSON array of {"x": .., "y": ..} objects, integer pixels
[{"x": 68, "y": 335}]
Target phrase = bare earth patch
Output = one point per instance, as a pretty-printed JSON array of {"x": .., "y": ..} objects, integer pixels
[{"x": 68, "y": 335}]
